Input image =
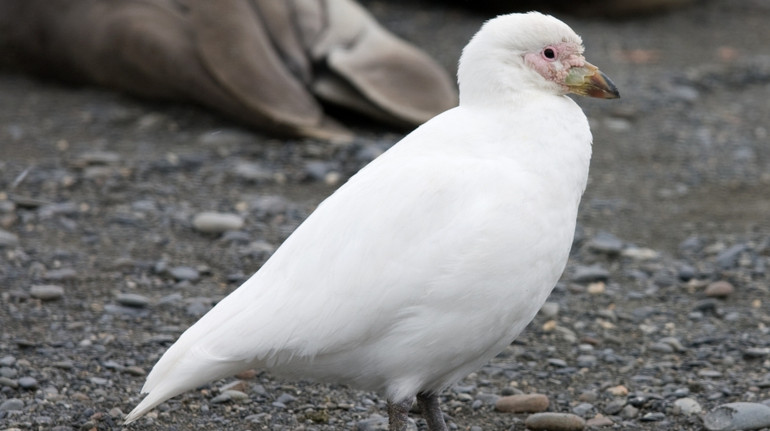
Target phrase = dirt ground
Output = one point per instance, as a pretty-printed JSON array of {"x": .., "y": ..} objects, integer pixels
[{"x": 104, "y": 185}]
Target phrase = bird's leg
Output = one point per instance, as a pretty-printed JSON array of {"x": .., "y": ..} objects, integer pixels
[
  {"x": 431, "y": 411},
  {"x": 398, "y": 414}
]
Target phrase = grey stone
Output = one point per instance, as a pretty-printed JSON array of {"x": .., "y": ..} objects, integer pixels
[
  {"x": 60, "y": 274},
  {"x": 605, "y": 242},
  {"x": 215, "y": 222},
  {"x": 28, "y": 382},
  {"x": 550, "y": 309},
  {"x": 132, "y": 300},
  {"x": 555, "y": 421},
  {"x": 737, "y": 416},
  {"x": 687, "y": 406},
  {"x": 587, "y": 274},
  {"x": 252, "y": 172},
  {"x": 184, "y": 273},
  {"x": 11, "y": 405},
  {"x": 8, "y": 239},
  {"x": 728, "y": 258},
  {"x": 46, "y": 292},
  {"x": 584, "y": 410}
]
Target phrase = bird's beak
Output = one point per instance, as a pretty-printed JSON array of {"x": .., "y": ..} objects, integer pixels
[{"x": 590, "y": 81}]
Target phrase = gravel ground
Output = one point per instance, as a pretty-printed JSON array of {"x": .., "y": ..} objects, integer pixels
[{"x": 661, "y": 316}]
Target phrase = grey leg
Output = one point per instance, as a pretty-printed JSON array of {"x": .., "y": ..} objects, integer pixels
[
  {"x": 398, "y": 414},
  {"x": 431, "y": 412}
]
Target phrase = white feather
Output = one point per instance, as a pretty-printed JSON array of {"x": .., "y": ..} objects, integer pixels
[{"x": 424, "y": 265}]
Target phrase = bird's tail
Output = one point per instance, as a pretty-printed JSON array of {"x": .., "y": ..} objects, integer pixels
[{"x": 180, "y": 369}]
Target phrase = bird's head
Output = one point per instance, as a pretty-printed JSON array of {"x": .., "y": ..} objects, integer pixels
[{"x": 522, "y": 53}]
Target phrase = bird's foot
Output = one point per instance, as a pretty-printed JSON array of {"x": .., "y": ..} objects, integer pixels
[
  {"x": 431, "y": 411},
  {"x": 398, "y": 414}
]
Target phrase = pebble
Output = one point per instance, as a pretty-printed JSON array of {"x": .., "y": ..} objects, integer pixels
[
  {"x": 550, "y": 309},
  {"x": 132, "y": 300},
  {"x": 653, "y": 417},
  {"x": 599, "y": 421},
  {"x": 252, "y": 172},
  {"x": 629, "y": 412},
  {"x": 618, "y": 391},
  {"x": 756, "y": 352},
  {"x": 11, "y": 383},
  {"x": 737, "y": 416},
  {"x": 46, "y": 292},
  {"x": 61, "y": 274},
  {"x": 8, "y": 239},
  {"x": 215, "y": 222},
  {"x": 231, "y": 395},
  {"x": 687, "y": 406},
  {"x": 728, "y": 258},
  {"x": 640, "y": 254},
  {"x": 587, "y": 274},
  {"x": 719, "y": 289},
  {"x": 28, "y": 382},
  {"x": 605, "y": 242},
  {"x": 615, "y": 406},
  {"x": 524, "y": 403},
  {"x": 549, "y": 421},
  {"x": 11, "y": 405},
  {"x": 97, "y": 157},
  {"x": 184, "y": 273},
  {"x": 584, "y": 410}
]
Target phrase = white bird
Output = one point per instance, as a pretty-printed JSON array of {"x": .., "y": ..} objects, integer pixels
[{"x": 434, "y": 257}]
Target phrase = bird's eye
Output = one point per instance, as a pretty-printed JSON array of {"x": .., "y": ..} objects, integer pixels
[{"x": 549, "y": 53}]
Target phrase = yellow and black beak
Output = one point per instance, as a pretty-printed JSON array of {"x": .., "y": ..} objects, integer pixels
[{"x": 590, "y": 81}]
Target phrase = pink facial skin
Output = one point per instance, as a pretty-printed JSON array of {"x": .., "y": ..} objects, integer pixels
[{"x": 554, "y": 61}]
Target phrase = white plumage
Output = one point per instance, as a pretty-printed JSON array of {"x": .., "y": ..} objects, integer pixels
[{"x": 432, "y": 258}]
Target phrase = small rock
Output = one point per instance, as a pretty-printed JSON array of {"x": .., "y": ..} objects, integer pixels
[
  {"x": 214, "y": 222},
  {"x": 719, "y": 289},
  {"x": 61, "y": 274},
  {"x": 525, "y": 403},
  {"x": 230, "y": 395},
  {"x": 252, "y": 172},
  {"x": 549, "y": 421},
  {"x": 285, "y": 398},
  {"x": 605, "y": 242},
  {"x": 28, "y": 383},
  {"x": 97, "y": 157},
  {"x": 653, "y": 417},
  {"x": 728, "y": 258},
  {"x": 11, "y": 405},
  {"x": 687, "y": 406},
  {"x": 373, "y": 423},
  {"x": 550, "y": 309},
  {"x": 599, "y": 421},
  {"x": 5, "y": 381},
  {"x": 618, "y": 391},
  {"x": 8, "y": 239},
  {"x": 584, "y": 410},
  {"x": 737, "y": 416},
  {"x": 629, "y": 412},
  {"x": 615, "y": 406},
  {"x": 639, "y": 253},
  {"x": 588, "y": 274},
  {"x": 184, "y": 273},
  {"x": 132, "y": 300},
  {"x": 756, "y": 352},
  {"x": 46, "y": 292},
  {"x": 673, "y": 342}
]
